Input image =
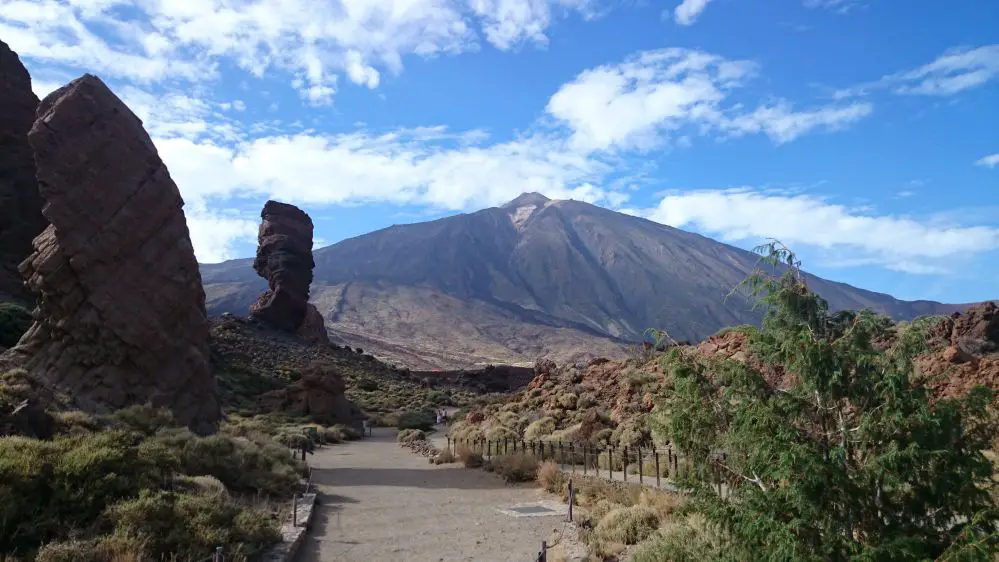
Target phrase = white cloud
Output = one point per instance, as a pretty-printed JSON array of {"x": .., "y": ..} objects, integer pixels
[
  {"x": 689, "y": 10},
  {"x": 508, "y": 23},
  {"x": 632, "y": 105},
  {"x": 420, "y": 166},
  {"x": 990, "y": 161},
  {"x": 313, "y": 40},
  {"x": 213, "y": 236},
  {"x": 42, "y": 88},
  {"x": 839, "y": 6},
  {"x": 896, "y": 242},
  {"x": 954, "y": 71},
  {"x": 782, "y": 124}
]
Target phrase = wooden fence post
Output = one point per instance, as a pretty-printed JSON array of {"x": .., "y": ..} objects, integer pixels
[
  {"x": 572, "y": 456},
  {"x": 584, "y": 459},
  {"x": 294, "y": 510},
  {"x": 610, "y": 463},
  {"x": 655, "y": 453},
  {"x": 572, "y": 496},
  {"x": 625, "y": 469},
  {"x": 641, "y": 467}
]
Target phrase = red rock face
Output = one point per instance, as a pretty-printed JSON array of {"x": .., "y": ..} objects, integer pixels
[
  {"x": 20, "y": 204},
  {"x": 284, "y": 258},
  {"x": 122, "y": 307}
]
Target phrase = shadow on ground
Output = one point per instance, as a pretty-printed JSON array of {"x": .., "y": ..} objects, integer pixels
[
  {"x": 436, "y": 479},
  {"x": 325, "y": 516}
]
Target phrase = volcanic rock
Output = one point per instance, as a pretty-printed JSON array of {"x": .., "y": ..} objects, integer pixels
[
  {"x": 121, "y": 319},
  {"x": 318, "y": 395},
  {"x": 284, "y": 258},
  {"x": 20, "y": 204},
  {"x": 966, "y": 354}
]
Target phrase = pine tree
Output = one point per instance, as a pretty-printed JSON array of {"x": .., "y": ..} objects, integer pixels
[{"x": 854, "y": 460}]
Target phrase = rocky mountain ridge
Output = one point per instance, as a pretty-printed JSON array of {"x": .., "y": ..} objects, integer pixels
[{"x": 533, "y": 278}]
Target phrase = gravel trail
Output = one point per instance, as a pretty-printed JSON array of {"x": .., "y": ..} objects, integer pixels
[{"x": 380, "y": 502}]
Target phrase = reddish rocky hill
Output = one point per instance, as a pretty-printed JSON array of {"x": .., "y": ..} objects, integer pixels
[{"x": 604, "y": 402}]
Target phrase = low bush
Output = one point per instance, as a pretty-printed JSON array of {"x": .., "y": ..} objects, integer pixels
[
  {"x": 539, "y": 429},
  {"x": 516, "y": 467},
  {"x": 14, "y": 322},
  {"x": 445, "y": 457},
  {"x": 410, "y": 435},
  {"x": 468, "y": 457},
  {"x": 686, "y": 540},
  {"x": 136, "y": 489},
  {"x": 189, "y": 525},
  {"x": 102, "y": 549},
  {"x": 367, "y": 385},
  {"x": 550, "y": 477},
  {"x": 423, "y": 420},
  {"x": 627, "y": 525}
]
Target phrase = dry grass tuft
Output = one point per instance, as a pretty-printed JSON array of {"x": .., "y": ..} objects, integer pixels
[
  {"x": 468, "y": 457},
  {"x": 516, "y": 467}
]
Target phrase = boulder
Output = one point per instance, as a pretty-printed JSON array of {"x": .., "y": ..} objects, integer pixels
[
  {"x": 121, "y": 317},
  {"x": 318, "y": 395},
  {"x": 284, "y": 258},
  {"x": 20, "y": 203}
]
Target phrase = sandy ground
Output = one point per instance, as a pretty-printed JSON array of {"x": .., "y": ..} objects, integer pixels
[{"x": 380, "y": 502}]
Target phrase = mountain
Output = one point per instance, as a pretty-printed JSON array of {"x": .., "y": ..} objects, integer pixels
[{"x": 535, "y": 277}]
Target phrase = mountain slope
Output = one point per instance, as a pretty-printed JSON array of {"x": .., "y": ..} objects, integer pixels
[{"x": 535, "y": 277}]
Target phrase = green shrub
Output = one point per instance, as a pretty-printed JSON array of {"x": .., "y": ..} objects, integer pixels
[
  {"x": 567, "y": 400},
  {"x": 500, "y": 433},
  {"x": 539, "y": 429},
  {"x": 852, "y": 459},
  {"x": 686, "y": 540},
  {"x": 14, "y": 322},
  {"x": 367, "y": 385},
  {"x": 244, "y": 465},
  {"x": 189, "y": 525},
  {"x": 423, "y": 420},
  {"x": 410, "y": 435},
  {"x": 627, "y": 525},
  {"x": 143, "y": 419},
  {"x": 47, "y": 487}
]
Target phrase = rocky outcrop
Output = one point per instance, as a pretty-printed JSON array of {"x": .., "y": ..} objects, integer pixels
[
  {"x": 318, "y": 395},
  {"x": 121, "y": 318},
  {"x": 20, "y": 204},
  {"x": 284, "y": 258},
  {"x": 966, "y": 352}
]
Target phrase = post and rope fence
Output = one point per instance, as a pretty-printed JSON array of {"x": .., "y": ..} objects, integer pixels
[{"x": 659, "y": 466}]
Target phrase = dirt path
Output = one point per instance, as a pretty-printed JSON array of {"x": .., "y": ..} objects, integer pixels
[{"x": 380, "y": 502}]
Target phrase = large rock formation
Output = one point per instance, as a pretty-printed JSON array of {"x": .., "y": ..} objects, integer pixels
[
  {"x": 20, "y": 204},
  {"x": 318, "y": 395},
  {"x": 122, "y": 313},
  {"x": 284, "y": 258}
]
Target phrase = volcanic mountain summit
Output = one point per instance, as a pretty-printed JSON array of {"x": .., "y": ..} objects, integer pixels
[{"x": 532, "y": 278}]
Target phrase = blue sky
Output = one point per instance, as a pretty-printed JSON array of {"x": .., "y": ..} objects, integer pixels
[{"x": 862, "y": 133}]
